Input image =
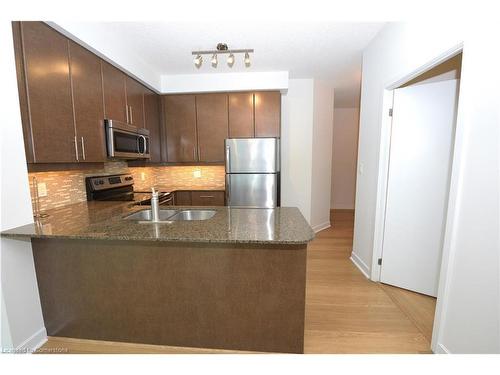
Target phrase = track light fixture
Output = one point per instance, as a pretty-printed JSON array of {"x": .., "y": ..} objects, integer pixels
[{"x": 222, "y": 48}]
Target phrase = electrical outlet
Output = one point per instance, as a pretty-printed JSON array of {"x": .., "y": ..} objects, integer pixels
[
  {"x": 197, "y": 173},
  {"x": 143, "y": 176},
  {"x": 42, "y": 189}
]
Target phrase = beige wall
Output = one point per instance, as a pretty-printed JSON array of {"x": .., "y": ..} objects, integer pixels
[{"x": 344, "y": 157}]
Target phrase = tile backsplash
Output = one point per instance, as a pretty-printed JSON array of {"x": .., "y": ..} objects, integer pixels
[{"x": 68, "y": 186}]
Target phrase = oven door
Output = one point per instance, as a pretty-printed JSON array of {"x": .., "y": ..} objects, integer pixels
[{"x": 126, "y": 142}]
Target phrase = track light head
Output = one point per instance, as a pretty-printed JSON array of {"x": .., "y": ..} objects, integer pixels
[
  {"x": 230, "y": 60},
  {"x": 247, "y": 59},
  {"x": 214, "y": 60},
  {"x": 198, "y": 60}
]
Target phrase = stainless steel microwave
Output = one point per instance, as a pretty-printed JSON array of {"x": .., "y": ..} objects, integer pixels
[{"x": 126, "y": 141}]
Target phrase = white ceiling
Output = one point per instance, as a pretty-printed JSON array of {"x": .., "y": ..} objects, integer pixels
[{"x": 330, "y": 51}]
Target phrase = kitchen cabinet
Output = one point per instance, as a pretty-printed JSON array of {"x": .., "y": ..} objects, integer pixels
[
  {"x": 241, "y": 115},
  {"x": 48, "y": 89},
  {"x": 115, "y": 98},
  {"x": 267, "y": 113},
  {"x": 180, "y": 128},
  {"x": 212, "y": 126},
  {"x": 182, "y": 198},
  {"x": 207, "y": 198},
  {"x": 86, "y": 83},
  {"x": 135, "y": 102},
  {"x": 152, "y": 123}
]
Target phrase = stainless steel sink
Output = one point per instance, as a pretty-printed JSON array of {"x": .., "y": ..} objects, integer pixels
[
  {"x": 193, "y": 215},
  {"x": 145, "y": 215}
]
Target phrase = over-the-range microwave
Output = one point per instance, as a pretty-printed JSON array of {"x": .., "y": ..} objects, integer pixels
[{"x": 126, "y": 141}]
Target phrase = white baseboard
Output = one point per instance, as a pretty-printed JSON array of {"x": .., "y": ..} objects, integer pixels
[
  {"x": 320, "y": 227},
  {"x": 358, "y": 262},
  {"x": 33, "y": 342},
  {"x": 441, "y": 349}
]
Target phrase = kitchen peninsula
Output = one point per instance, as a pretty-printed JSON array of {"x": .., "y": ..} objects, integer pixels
[{"x": 234, "y": 281}]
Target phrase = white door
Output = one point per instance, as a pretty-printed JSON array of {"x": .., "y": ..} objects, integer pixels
[{"x": 422, "y": 137}]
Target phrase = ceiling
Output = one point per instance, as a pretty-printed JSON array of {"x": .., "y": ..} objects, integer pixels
[{"x": 330, "y": 51}]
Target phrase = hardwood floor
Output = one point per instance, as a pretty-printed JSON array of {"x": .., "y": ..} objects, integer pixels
[{"x": 345, "y": 312}]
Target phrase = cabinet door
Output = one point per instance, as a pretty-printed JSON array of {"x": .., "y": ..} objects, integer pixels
[
  {"x": 241, "y": 118},
  {"x": 135, "y": 102},
  {"x": 182, "y": 198},
  {"x": 267, "y": 114},
  {"x": 207, "y": 198},
  {"x": 179, "y": 116},
  {"x": 152, "y": 123},
  {"x": 49, "y": 93},
  {"x": 115, "y": 100},
  {"x": 211, "y": 125},
  {"x": 23, "y": 95},
  {"x": 86, "y": 85}
]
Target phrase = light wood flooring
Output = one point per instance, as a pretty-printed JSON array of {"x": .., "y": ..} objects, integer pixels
[{"x": 345, "y": 312}]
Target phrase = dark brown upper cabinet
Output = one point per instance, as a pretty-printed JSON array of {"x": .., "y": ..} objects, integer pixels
[
  {"x": 115, "y": 94},
  {"x": 86, "y": 84},
  {"x": 135, "y": 102},
  {"x": 212, "y": 126},
  {"x": 152, "y": 123},
  {"x": 48, "y": 89},
  {"x": 179, "y": 117},
  {"x": 267, "y": 113},
  {"x": 241, "y": 115}
]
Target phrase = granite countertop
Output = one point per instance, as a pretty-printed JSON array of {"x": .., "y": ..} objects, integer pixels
[{"x": 104, "y": 221}]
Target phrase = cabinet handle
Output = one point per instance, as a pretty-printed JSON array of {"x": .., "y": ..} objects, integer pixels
[
  {"x": 206, "y": 196},
  {"x": 126, "y": 113},
  {"x": 131, "y": 115},
  {"x": 194, "y": 153},
  {"x": 83, "y": 148},
  {"x": 76, "y": 149}
]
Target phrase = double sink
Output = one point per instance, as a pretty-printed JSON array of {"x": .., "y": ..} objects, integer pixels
[{"x": 144, "y": 216}]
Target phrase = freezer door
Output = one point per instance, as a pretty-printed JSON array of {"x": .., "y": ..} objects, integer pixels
[
  {"x": 252, "y": 190},
  {"x": 252, "y": 155}
]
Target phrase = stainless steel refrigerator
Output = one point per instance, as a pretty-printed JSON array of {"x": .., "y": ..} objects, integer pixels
[{"x": 252, "y": 172}]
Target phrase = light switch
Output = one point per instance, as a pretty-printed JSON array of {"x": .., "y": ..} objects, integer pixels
[{"x": 42, "y": 189}]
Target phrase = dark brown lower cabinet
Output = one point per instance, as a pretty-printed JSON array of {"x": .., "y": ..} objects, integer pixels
[
  {"x": 207, "y": 198},
  {"x": 182, "y": 198},
  {"x": 199, "y": 198}
]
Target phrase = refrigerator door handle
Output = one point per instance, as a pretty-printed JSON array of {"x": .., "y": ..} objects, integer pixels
[
  {"x": 228, "y": 189},
  {"x": 228, "y": 177},
  {"x": 228, "y": 159}
]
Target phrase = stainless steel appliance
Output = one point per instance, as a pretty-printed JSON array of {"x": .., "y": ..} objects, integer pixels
[
  {"x": 252, "y": 172},
  {"x": 126, "y": 141},
  {"x": 121, "y": 188}
]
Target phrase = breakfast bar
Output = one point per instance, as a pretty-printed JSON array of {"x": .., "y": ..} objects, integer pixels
[{"x": 233, "y": 281}]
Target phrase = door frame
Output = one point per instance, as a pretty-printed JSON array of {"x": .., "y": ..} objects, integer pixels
[{"x": 455, "y": 182}]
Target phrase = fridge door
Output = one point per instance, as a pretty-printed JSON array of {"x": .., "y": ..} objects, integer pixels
[
  {"x": 252, "y": 155},
  {"x": 252, "y": 190}
]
